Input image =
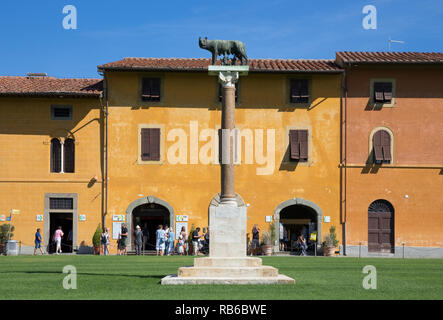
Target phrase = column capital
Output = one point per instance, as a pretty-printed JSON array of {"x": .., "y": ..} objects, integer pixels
[{"x": 228, "y": 78}]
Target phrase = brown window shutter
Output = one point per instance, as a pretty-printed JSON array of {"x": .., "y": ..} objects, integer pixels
[
  {"x": 56, "y": 159},
  {"x": 294, "y": 144},
  {"x": 145, "y": 145},
  {"x": 303, "y": 139},
  {"x": 69, "y": 155},
  {"x": 378, "y": 91},
  {"x": 146, "y": 88},
  {"x": 155, "y": 89},
  {"x": 154, "y": 143},
  {"x": 377, "y": 146},
  {"x": 387, "y": 92},
  {"x": 386, "y": 145}
]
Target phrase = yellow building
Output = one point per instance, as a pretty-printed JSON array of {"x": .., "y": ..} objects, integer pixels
[
  {"x": 162, "y": 123},
  {"x": 50, "y": 156}
]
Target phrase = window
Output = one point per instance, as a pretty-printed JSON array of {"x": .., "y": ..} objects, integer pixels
[
  {"x": 298, "y": 143},
  {"x": 62, "y": 155},
  {"x": 68, "y": 155},
  {"x": 220, "y": 92},
  {"x": 61, "y": 112},
  {"x": 381, "y": 144},
  {"x": 383, "y": 92},
  {"x": 299, "y": 91},
  {"x": 61, "y": 203},
  {"x": 150, "y": 144},
  {"x": 150, "y": 89},
  {"x": 56, "y": 159}
]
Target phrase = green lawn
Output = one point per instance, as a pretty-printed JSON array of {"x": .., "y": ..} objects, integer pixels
[{"x": 138, "y": 277}]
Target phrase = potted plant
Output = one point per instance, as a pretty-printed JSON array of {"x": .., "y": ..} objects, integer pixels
[
  {"x": 5, "y": 235},
  {"x": 266, "y": 244},
  {"x": 96, "y": 239},
  {"x": 330, "y": 243}
]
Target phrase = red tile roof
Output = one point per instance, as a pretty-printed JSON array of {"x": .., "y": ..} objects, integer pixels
[
  {"x": 49, "y": 86},
  {"x": 255, "y": 65},
  {"x": 389, "y": 57}
]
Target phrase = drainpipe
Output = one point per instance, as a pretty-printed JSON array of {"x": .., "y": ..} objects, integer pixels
[
  {"x": 345, "y": 88},
  {"x": 105, "y": 152}
]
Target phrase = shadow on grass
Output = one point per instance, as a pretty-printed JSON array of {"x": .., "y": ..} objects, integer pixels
[{"x": 95, "y": 274}]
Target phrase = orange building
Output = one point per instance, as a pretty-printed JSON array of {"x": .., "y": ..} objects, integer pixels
[{"x": 393, "y": 153}]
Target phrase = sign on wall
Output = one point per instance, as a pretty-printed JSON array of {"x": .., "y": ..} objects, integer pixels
[
  {"x": 82, "y": 217},
  {"x": 181, "y": 218},
  {"x": 2, "y": 217},
  {"x": 178, "y": 228},
  {"x": 39, "y": 217},
  {"x": 326, "y": 219},
  {"x": 116, "y": 229},
  {"x": 118, "y": 217},
  {"x": 268, "y": 218}
]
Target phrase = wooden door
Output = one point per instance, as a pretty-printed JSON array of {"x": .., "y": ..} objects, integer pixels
[{"x": 381, "y": 230}]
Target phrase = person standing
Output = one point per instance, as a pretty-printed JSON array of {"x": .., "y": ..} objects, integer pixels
[
  {"x": 160, "y": 240},
  {"x": 123, "y": 238},
  {"x": 255, "y": 243},
  {"x": 104, "y": 240},
  {"x": 171, "y": 241},
  {"x": 138, "y": 240},
  {"x": 58, "y": 234},
  {"x": 184, "y": 239},
  {"x": 166, "y": 240},
  {"x": 196, "y": 240},
  {"x": 38, "y": 242}
]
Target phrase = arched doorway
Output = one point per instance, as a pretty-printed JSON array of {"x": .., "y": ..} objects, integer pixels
[
  {"x": 297, "y": 216},
  {"x": 148, "y": 213},
  {"x": 381, "y": 227}
]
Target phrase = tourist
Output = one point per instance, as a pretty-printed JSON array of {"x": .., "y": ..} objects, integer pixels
[
  {"x": 160, "y": 240},
  {"x": 180, "y": 244},
  {"x": 38, "y": 242},
  {"x": 138, "y": 240},
  {"x": 185, "y": 240},
  {"x": 171, "y": 241},
  {"x": 104, "y": 240},
  {"x": 196, "y": 240},
  {"x": 255, "y": 243},
  {"x": 166, "y": 236},
  {"x": 301, "y": 241},
  {"x": 123, "y": 238},
  {"x": 58, "y": 234}
]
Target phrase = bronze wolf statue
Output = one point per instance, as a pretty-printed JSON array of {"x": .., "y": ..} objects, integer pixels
[{"x": 225, "y": 47}]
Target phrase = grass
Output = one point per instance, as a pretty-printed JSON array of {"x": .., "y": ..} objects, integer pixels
[{"x": 138, "y": 277}]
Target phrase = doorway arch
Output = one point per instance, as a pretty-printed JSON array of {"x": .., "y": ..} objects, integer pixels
[
  {"x": 146, "y": 201},
  {"x": 300, "y": 203}
]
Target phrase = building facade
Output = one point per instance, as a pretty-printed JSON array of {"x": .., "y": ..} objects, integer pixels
[{"x": 350, "y": 143}]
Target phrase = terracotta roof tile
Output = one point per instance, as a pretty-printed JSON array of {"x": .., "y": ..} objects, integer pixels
[
  {"x": 49, "y": 86},
  {"x": 389, "y": 57},
  {"x": 188, "y": 64}
]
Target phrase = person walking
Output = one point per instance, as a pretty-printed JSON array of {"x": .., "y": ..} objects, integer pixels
[
  {"x": 58, "y": 234},
  {"x": 138, "y": 240},
  {"x": 104, "y": 241},
  {"x": 255, "y": 243},
  {"x": 145, "y": 235},
  {"x": 123, "y": 238},
  {"x": 160, "y": 240},
  {"x": 38, "y": 242}
]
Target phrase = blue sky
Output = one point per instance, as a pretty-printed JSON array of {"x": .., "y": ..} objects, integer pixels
[{"x": 34, "y": 40}]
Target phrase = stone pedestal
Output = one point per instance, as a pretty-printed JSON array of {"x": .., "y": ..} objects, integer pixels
[{"x": 227, "y": 263}]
